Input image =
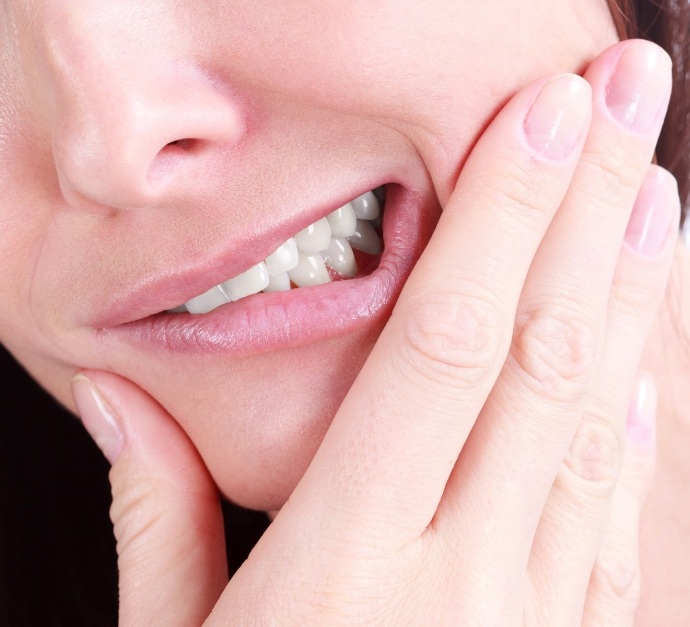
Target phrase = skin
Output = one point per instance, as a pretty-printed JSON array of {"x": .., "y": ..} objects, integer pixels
[
  {"x": 425, "y": 104},
  {"x": 664, "y": 525},
  {"x": 427, "y": 100},
  {"x": 388, "y": 521}
]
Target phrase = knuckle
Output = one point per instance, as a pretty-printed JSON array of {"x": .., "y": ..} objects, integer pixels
[
  {"x": 615, "y": 169},
  {"x": 519, "y": 192},
  {"x": 635, "y": 300},
  {"x": 638, "y": 471},
  {"x": 135, "y": 512},
  {"x": 592, "y": 464},
  {"x": 556, "y": 351},
  {"x": 616, "y": 577},
  {"x": 448, "y": 337}
]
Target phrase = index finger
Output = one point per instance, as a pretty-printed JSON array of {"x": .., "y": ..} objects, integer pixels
[{"x": 402, "y": 425}]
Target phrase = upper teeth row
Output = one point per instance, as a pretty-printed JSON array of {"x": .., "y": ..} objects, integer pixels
[{"x": 304, "y": 258}]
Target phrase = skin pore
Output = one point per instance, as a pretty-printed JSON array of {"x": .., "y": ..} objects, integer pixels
[{"x": 305, "y": 106}]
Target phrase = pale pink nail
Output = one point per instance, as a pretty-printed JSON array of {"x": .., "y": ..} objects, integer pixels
[
  {"x": 638, "y": 91},
  {"x": 557, "y": 119},
  {"x": 657, "y": 203},
  {"x": 98, "y": 418},
  {"x": 641, "y": 425}
]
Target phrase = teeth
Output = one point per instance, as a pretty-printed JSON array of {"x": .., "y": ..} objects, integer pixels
[
  {"x": 310, "y": 270},
  {"x": 314, "y": 238},
  {"x": 305, "y": 258},
  {"x": 208, "y": 301},
  {"x": 339, "y": 257},
  {"x": 283, "y": 259},
  {"x": 366, "y": 207},
  {"x": 343, "y": 221},
  {"x": 278, "y": 283},
  {"x": 250, "y": 282},
  {"x": 366, "y": 238}
]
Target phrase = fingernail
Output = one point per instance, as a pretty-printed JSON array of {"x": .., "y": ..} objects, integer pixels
[
  {"x": 98, "y": 418},
  {"x": 641, "y": 425},
  {"x": 639, "y": 89},
  {"x": 557, "y": 119},
  {"x": 650, "y": 221}
]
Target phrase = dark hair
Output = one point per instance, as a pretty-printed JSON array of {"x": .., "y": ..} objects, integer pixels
[
  {"x": 666, "y": 22},
  {"x": 57, "y": 553}
]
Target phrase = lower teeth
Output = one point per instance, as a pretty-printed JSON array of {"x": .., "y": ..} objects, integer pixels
[{"x": 306, "y": 259}]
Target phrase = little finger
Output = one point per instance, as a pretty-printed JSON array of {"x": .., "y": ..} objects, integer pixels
[{"x": 614, "y": 587}]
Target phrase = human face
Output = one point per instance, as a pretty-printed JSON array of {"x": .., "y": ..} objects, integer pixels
[{"x": 152, "y": 149}]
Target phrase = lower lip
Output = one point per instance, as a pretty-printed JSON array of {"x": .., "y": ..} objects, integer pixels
[{"x": 279, "y": 320}]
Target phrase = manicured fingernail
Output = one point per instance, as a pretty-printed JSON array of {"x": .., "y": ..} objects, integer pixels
[
  {"x": 98, "y": 419},
  {"x": 650, "y": 221},
  {"x": 639, "y": 89},
  {"x": 557, "y": 119},
  {"x": 641, "y": 426}
]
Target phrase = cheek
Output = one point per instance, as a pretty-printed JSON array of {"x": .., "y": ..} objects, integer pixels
[
  {"x": 25, "y": 219},
  {"x": 439, "y": 70}
]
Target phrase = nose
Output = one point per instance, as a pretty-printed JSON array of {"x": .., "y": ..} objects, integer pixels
[{"x": 130, "y": 138}]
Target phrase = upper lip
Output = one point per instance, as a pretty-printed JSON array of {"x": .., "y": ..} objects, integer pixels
[{"x": 168, "y": 288}]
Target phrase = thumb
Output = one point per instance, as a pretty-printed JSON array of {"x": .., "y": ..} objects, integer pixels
[{"x": 166, "y": 511}]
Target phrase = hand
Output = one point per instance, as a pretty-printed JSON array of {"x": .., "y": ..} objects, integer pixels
[{"x": 469, "y": 474}]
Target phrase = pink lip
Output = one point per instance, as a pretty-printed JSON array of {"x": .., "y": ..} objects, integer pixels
[
  {"x": 168, "y": 289},
  {"x": 266, "y": 322}
]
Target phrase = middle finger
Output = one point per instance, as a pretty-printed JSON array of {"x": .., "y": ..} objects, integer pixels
[{"x": 528, "y": 422}]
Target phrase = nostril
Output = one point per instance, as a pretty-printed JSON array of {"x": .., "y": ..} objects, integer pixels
[
  {"x": 183, "y": 144},
  {"x": 128, "y": 144},
  {"x": 170, "y": 158}
]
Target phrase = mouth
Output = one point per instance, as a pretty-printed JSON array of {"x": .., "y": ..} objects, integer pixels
[
  {"x": 345, "y": 243},
  {"x": 338, "y": 275}
]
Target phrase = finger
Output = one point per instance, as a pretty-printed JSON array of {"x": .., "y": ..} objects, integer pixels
[
  {"x": 579, "y": 502},
  {"x": 166, "y": 512},
  {"x": 398, "y": 433},
  {"x": 529, "y": 420},
  {"x": 614, "y": 587}
]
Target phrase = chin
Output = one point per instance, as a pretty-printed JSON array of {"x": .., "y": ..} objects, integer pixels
[{"x": 258, "y": 422}]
